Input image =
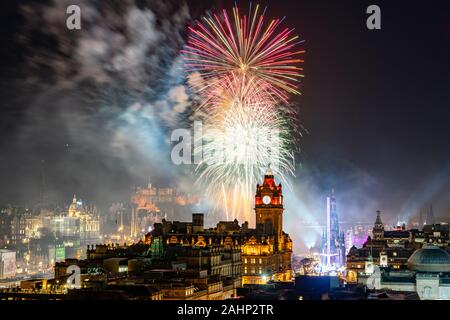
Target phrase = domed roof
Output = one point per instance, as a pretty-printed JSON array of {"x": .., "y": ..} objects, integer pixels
[{"x": 429, "y": 259}]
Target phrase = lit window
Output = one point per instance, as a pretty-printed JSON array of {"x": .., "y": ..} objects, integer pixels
[
  {"x": 395, "y": 254},
  {"x": 123, "y": 268}
]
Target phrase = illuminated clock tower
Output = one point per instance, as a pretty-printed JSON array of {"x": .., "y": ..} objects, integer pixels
[{"x": 269, "y": 209}]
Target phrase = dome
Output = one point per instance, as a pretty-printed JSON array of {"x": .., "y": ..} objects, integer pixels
[{"x": 429, "y": 259}]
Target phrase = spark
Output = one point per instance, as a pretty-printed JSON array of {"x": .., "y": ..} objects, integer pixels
[
  {"x": 242, "y": 136},
  {"x": 219, "y": 46},
  {"x": 243, "y": 70}
]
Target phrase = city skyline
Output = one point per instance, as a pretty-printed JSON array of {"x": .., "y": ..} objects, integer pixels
[
  {"x": 90, "y": 137},
  {"x": 284, "y": 140},
  {"x": 227, "y": 261}
]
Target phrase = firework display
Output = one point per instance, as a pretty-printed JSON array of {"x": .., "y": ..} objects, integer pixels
[
  {"x": 241, "y": 137},
  {"x": 245, "y": 45},
  {"x": 243, "y": 71}
]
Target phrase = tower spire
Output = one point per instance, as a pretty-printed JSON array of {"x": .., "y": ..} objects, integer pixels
[
  {"x": 378, "y": 228},
  {"x": 378, "y": 219},
  {"x": 430, "y": 215}
]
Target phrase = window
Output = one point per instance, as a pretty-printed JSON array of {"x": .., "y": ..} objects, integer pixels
[
  {"x": 123, "y": 268},
  {"x": 260, "y": 260},
  {"x": 253, "y": 260},
  {"x": 395, "y": 254},
  {"x": 245, "y": 260},
  {"x": 427, "y": 293}
]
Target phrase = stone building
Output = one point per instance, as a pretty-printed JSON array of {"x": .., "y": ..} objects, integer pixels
[
  {"x": 385, "y": 249},
  {"x": 427, "y": 273},
  {"x": 266, "y": 250},
  {"x": 392, "y": 249}
]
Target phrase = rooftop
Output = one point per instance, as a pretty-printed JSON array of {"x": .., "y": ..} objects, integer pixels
[{"x": 430, "y": 259}]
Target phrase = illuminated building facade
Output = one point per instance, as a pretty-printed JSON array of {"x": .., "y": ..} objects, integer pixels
[
  {"x": 392, "y": 248},
  {"x": 7, "y": 264},
  {"x": 383, "y": 249},
  {"x": 151, "y": 204},
  {"x": 18, "y": 227},
  {"x": 88, "y": 222},
  {"x": 266, "y": 250},
  {"x": 79, "y": 224},
  {"x": 185, "y": 260},
  {"x": 179, "y": 270},
  {"x": 154, "y": 199}
]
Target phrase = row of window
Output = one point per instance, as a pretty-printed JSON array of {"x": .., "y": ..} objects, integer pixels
[
  {"x": 395, "y": 266},
  {"x": 252, "y": 260},
  {"x": 253, "y": 270}
]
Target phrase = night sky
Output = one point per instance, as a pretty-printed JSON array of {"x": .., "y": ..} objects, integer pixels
[{"x": 375, "y": 110}]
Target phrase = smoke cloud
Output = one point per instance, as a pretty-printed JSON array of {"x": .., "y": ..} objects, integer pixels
[
  {"x": 305, "y": 206},
  {"x": 98, "y": 103}
]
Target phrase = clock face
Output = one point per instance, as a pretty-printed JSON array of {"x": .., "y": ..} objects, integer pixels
[{"x": 266, "y": 199}]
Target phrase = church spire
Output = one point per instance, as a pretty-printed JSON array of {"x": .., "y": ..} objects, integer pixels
[
  {"x": 378, "y": 220},
  {"x": 430, "y": 215},
  {"x": 378, "y": 228}
]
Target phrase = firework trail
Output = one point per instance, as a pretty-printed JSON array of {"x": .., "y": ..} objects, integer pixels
[
  {"x": 242, "y": 135},
  {"x": 244, "y": 71}
]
